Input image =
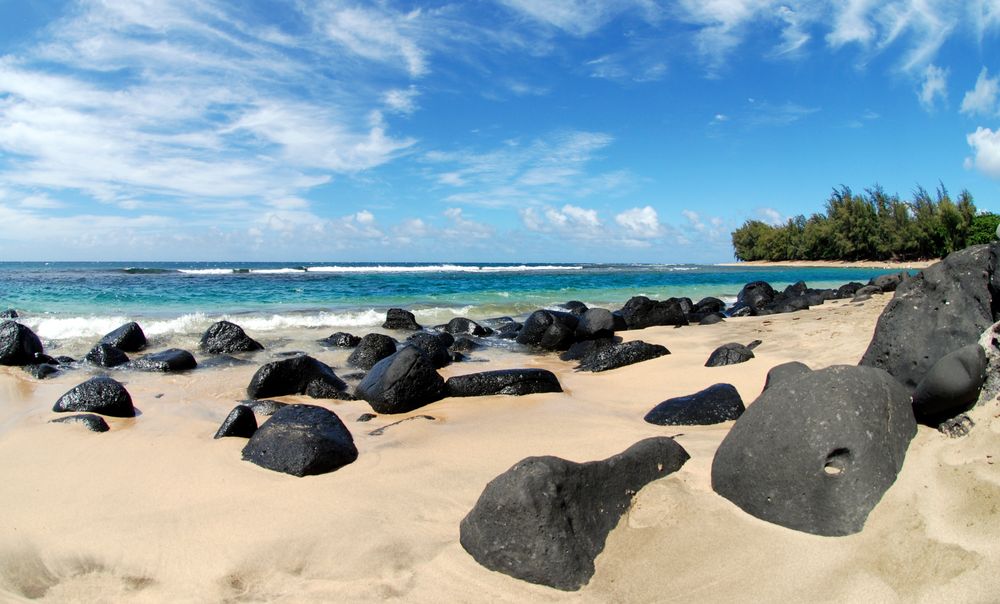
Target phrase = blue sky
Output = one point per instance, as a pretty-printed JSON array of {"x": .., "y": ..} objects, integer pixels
[{"x": 513, "y": 130}]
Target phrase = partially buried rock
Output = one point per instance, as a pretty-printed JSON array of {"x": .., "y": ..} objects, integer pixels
[
  {"x": 342, "y": 340},
  {"x": 18, "y": 344},
  {"x": 399, "y": 319},
  {"x": 402, "y": 382},
  {"x": 546, "y": 519},
  {"x": 100, "y": 394},
  {"x": 373, "y": 348},
  {"x": 712, "y": 319},
  {"x": 106, "y": 355},
  {"x": 297, "y": 375},
  {"x": 619, "y": 355},
  {"x": 301, "y": 440},
  {"x": 815, "y": 454},
  {"x": 94, "y": 423},
  {"x": 224, "y": 337},
  {"x": 729, "y": 354},
  {"x": 170, "y": 360},
  {"x": 515, "y": 382},
  {"x": 713, "y": 405},
  {"x": 951, "y": 386},
  {"x": 240, "y": 423},
  {"x": 127, "y": 338}
]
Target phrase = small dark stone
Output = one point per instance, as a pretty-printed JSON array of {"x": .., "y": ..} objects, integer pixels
[
  {"x": 516, "y": 382},
  {"x": 98, "y": 395},
  {"x": 399, "y": 319},
  {"x": 297, "y": 375},
  {"x": 18, "y": 344},
  {"x": 342, "y": 340},
  {"x": 366, "y": 417},
  {"x": 301, "y": 440},
  {"x": 713, "y": 405},
  {"x": 224, "y": 337},
  {"x": 957, "y": 427},
  {"x": 461, "y": 325},
  {"x": 167, "y": 361},
  {"x": 574, "y": 307},
  {"x": 106, "y": 355},
  {"x": 373, "y": 348},
  {"x": 240, "y": 423},
  {"x": 506, "y": 330},
  {"x": 94, "y": 423},
  {"x": 951, "y": 386},
  {"x": 127, "y": 338},
  {"x": 433, "y": 347},
  {"x": 263, "y": 406},
  {"x": 401, "y": 382},
  {"x": 729, "y": 354},
  {"x": 712, "y": 319},
  {"x": 614, "y": 356},
  {"x": 888, "y": 283},
  {"x": 41, "y": 371}
]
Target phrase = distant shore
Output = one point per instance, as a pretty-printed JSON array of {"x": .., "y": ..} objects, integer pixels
[{"x": 886, "y": 264}]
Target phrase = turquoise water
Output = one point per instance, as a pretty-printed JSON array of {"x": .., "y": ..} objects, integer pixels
[{"x": 63, "y": 300}]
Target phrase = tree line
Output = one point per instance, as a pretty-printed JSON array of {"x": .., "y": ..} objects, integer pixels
[{"x": 872, "y": 225}]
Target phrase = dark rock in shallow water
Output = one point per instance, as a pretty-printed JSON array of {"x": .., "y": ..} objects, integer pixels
[
  {"x": 373, "y": 348},
  {"x": 712, "y": 319},
  {"x": 546, "y": 519},
  {"x": 94, "y": 423},
  {"x": 549, "y": 330},
  {"x": 619, "y": 355},
  {"x": 461, "y": 325},
  {"x": 595, "y": 323},
  {"x": 729, "y": 354},
  {"x": 402, "y": 382},
  {"x": 641, "y": 312},
  {"x": 222, "y": 360},
  {"x": 465, "y": 344},
  {"x": 741, "y": 310},
  {"x": 40, "y": 371},
  {"x": 263, "y": 406},
  {"x": 848, "y": 290},
  {"x": 399, "y": 319},
  {"x": 515, "y": 382},
  {"x": 951, "y": 386},
  {"x": 342, "y": 340},
  {"x": 713, "y": 405},
  {"x": 785, "y": 371},
  {"x": 799, "y": 288},
  {"x": 433, "y": 347},
  {"x": 297, "y": 375},
  {"x": 18, "y": 344},
  {"x": 170, "y": 360},
  {"x": 585, "y": 348},
  {"x": 10, "y": 313},
  {"x": 709, "y": 305},
  {"x": 226, "y": 338},
  {"x": 127, "y": 338},
  {"x": 98, "y": 395},
  {"x": 945, "y": 307},
  {"x": 301, "y": 440},
  {"x": 65, "y": 360},
  {"x": 816, "y": 453},
  {"x": 106, "y": 355},
  {"x": 240, "y": 423},
  {"x": 504, "y": 328},
  {"x": 574, "y": 307}
]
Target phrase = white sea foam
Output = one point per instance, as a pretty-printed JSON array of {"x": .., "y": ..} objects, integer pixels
[{"x": 434, "y": 268}]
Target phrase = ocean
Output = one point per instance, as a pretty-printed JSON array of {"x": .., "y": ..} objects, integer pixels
[{"x": 68, "y": 301}]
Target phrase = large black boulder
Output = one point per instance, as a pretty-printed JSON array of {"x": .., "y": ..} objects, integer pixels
[
  {"x": 297, "y": 375},
  {"x": 301, "y": 440},
  {"x": 402, "y": 382},
  {"x": 640, "y": 312},
  {"x": 224, "y": 337},
  {"x": 515, "y": 382},
  {"x": 889, "y": 283},
  {"x": 613, "y": 356},
  {"x": 166, "y": 361},
  {"x": 399, "y": 319},
  {"x": 945, "y": 307},
  {"x": 373, "y": 348},
  {"x": 99, "y": 394},
  {"x": 756, "y": 294},
  {"x": 847, "y": 290},
  {"x": 709, "y": 305},
  {"x": 713, "y": 405},
  {"x": 434, "y": 347},
  {"x": 951, "y": 386},
  {"x": 785, "y": 371},
  {"x": 106, "y": 355},
  {"x": 585, "y": 348},
  {"x": 240, "y": 423},
  {"x": 595, "y": 323},
  {"x": 546, "y": 519},
  {"x": 815, "y": 454},
  {"x": 18, "y": 344},
  {"x": 463, "y": 326},
  {"x": 729, "y": 354},
  {"x": 127, "y": 338},
  {"x": 94, "y": 423},
  {"x": 548, "y": 329}
]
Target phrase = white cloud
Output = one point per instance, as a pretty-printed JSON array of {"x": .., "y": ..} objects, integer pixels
[
  {"x": 465, "y": 228},
  {"x": 402, "y": 101},
  {"x": 364, "y": 217},
  {"x": 770, "y": 216},
  {"x": 579, "y": 17},
  {"x": 641, "y": 222},
  {"x": 934, "y": 87},
  {"x": 983, "y": 98},
  {"x": 376, "y": 34},
  {"x": 985, "y": 144}
]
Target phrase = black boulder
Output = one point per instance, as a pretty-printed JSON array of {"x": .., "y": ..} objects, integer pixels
[
  {"x": 240, "y": 423},
  {"x": 373, "y": 348},
  {"x": 613, "y": 356},
  {"x": 515, "y": 382},
  {"x": 301, "y": 440},
  {"x": 97, "y": 395},
  {"x": 166, "y": 361},
  {"x": 127, "y": 338},
  {"x": 713, "y": 405},
  {"x": 399, "y": 319},
  {"x": 224, "y": 337},
  {"x": 401, "y": 382},
  {"x": 297, "y": 375},
  {"x": 951, "y": 386},
  {"x": 18, "y": 344},
  {"x": 729, "y": 354}
]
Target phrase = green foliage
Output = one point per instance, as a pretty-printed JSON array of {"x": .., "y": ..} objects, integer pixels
[{"x": 871, "y": 226}]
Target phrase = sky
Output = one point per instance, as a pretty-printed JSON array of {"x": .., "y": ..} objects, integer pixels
[{"x": 475, "y": 131}]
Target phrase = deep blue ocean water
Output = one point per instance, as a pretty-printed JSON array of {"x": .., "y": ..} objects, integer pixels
[{"x": 67, "y": 299}]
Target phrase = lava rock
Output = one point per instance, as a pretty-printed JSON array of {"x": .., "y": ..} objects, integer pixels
[
  {"x": 463, "y": 326},
  {"x": 585, "y": 348},
  {"x": 240, "y": 423},
  {"x": 756, "y": 294},
  {"x": 10, "y": 313},
  {"x": 799, "y": 288},
  {"x": 127, "y": 338},
  {"x": 106, "y": 355},
  {"x": 224, "y": 337},
  {"x": 709, "y": 305},
  {"x": 549, "y": 330},
  {"x": 170, "y": 360},
  {"x": 40, "y": 371},
  {"x": 815, "y": 454},
  {"x": 848, "y": 290},
  {"x": 640, "y": 312},
  {"x": 342, "y": 340},
  {"x": 888, "y": 283},
  {"x": 94, "y": 423},
  {"x": 223, "y": 360},
  {"x": 945, "y": 307},
  {"x": 785, "y": 371},
  {"x": 951, "y": 386},
  {"x": 574, "y": 307},
  {"x": 546, "y": 519},
  {"x": 433, "y": 347},
  {"x": 401, "y": 382},
  {"x": 595, "y": 323},
  {"x": 713, "y": 405},
  {"x": 503, "y": 328},
  {"x": 100, "y": 394},
  {"x": 264, "y": 406},
  {"x": 619, "y": 355},
  {"x": 301, "y": 440},
  {"x": 712, "y": 319},
  {"x": 373, "y": 348},
  {"x": 18, "y": 344},
  {"x": 729, "y": 354},
  {"x": 465, "y": 344},
  {"x": 514, "y": 382},
  {"x": 399, "y": 319},
  {"x": 297, "y": 375}
]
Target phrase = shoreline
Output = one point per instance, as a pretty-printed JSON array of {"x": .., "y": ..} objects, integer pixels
[{"x": 879, "y": 264}]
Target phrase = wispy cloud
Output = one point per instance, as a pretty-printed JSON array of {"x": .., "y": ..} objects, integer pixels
[
  {"x": 934, "y": 87},
  {"x": 984, "y": 98}
]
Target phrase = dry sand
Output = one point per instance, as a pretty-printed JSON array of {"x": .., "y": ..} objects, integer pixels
[{"x": 156, "y": 510}]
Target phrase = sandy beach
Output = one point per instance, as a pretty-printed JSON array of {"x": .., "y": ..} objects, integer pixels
[{"x": 156, "y": 510}]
